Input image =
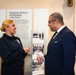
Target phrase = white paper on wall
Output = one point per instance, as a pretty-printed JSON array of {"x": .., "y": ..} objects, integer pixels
[
  {"x": 41, "y": 24},
  {"x": 38, "y": 49},
  {"x": 40, "y": 39}
]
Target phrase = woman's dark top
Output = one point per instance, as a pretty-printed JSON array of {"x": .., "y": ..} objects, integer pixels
[{"x": 11, "y": 52}]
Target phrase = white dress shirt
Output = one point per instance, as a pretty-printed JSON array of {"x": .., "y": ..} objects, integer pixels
[{"x": 59, "y": 30}]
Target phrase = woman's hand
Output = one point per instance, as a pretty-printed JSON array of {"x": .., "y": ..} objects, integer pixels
[{"x": 27, "y": 49}]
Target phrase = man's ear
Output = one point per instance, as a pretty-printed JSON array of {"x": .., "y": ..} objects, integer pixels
[{"x": 57, "y": 21}]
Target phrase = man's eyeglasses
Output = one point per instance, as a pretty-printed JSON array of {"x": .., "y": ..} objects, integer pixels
[{"x": 50, "y": 21}]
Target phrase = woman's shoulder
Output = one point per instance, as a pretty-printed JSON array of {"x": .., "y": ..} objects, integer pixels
[{"x": 2, "y": 39}]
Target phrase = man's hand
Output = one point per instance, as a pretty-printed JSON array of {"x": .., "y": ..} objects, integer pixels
[{"x": 40, "y": 58}]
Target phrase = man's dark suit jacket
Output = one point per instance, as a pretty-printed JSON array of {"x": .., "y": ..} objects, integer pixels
[{"x": 60, "y": 58}]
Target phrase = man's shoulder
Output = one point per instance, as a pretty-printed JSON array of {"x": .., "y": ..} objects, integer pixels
[{"x": 68, "y": 31}]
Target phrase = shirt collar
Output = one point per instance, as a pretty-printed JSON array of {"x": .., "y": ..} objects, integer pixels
[{"x": 60, "y": 28}]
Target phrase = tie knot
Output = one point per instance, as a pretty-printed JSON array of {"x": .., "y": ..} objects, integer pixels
[
  {"x": 54, "y": 35},
  {"x": 55, "y": 32}
]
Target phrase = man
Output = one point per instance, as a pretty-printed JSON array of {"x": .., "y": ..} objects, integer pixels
[{"x": 60, "y": 57}]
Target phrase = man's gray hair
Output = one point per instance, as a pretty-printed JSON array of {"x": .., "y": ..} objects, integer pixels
[{"x": 57, "y": 16}]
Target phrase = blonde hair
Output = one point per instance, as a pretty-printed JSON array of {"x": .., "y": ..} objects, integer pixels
[{"x": 5, "y": 23}]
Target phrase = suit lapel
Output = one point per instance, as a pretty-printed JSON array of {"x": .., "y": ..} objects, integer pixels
[{"x": 53, "y": 41}]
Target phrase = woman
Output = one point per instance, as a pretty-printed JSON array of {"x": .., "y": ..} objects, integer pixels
[{"x": 11, "y": 50}]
